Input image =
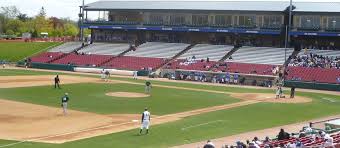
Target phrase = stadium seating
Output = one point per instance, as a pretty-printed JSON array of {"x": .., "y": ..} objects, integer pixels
[
  {"x": 105, "y": 48},
  {"x": 260, "y": 55},
  {"x": 333, "y": 53},
  {"x": 202, "y": 51},
  {"x": 83, "y": 60},
  {"x": 158, "y": 50},
  {"x": 134, "y": 63},
  {"x": 46, "y": 57},
  {"x": 66, "y": 47},
  {"x": 321, "y": 75}
]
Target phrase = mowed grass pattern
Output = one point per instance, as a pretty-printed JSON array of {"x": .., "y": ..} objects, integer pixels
[
  {"x": 15, "y": 51},
  {"x": 91, "y": 97},
  {"x": 18, "y": 72}
]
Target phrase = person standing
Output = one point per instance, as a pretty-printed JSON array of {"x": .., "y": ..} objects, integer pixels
[
  {"x": 64, "y": 101},
  {"x": 148, "y": 87},
  {"x": 135, "y": 75},
  {"x": 146, "y": 116},
  {"x": 57, "y": 82},
  {"x": 292, "y": 92}
]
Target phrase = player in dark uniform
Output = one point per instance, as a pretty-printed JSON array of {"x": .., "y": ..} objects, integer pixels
[
  {"x": 148, "y": 87},
  {"x": 292, "y": 92},
  {"x": 64, "y": 101},
  {"x": 56, "y": 82}
]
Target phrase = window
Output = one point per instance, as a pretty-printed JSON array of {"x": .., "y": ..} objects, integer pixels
[
  {"x": 272, "y": 21},
  {"x": 333, "y": 22},
  {"x": 224, "y": 20},
  {"x": 177, "y": 19},
  {"x": 310, "y": 21},
  {"x": 156, "y": 18},
  {"x": 200, "y": 20},
  {"x": 247, "y": 20}
]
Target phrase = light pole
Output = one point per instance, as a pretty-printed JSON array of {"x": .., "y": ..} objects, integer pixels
[
  {"x": 287, "y": 38},
  {"x": 82, "y": 22}
]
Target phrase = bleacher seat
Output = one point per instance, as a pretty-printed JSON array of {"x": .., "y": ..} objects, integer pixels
[
  {"x": 134, "y": 63},
  {"x": 83, "y": 60},
  {"x": 260, "y": 55},
  {"x": 202, "y": 51},
  {"x": 66, "y": 47},
  {"x": 105, "y": 48},
  {"x": 320, "y": 75},
  {"x": 158, "y": 50},
  {"x": 46, "y": 57}
]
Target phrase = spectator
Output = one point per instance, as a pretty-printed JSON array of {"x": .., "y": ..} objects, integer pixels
[
  {"x": 209, "y": 145},
  {"x": 283, "y": 135}
]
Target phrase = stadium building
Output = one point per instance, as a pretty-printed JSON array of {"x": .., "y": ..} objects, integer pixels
[
  {"x": 254, "y": 23},
  {"x": 219, "y": 42}
]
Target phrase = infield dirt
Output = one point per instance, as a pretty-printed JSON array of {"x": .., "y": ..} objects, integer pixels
[{"x": 37, "y": 123}]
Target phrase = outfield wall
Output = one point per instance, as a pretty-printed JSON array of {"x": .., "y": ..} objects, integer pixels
[{"x": 313, "y": 85}]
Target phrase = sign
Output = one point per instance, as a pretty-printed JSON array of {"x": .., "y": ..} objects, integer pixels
[{"x": 184, "y": 29}]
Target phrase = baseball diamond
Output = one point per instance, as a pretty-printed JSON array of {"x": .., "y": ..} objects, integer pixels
[{"x": 170, "y": 74}]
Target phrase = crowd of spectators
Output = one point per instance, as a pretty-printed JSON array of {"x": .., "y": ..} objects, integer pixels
[
  {"x": 314, "y": 60},
  {"x": 302, "y": 139}
]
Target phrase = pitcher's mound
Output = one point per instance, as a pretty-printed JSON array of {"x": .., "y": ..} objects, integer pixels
[
  {"x": 127, "y": 94},
  {"x": 270, "y": 98}
]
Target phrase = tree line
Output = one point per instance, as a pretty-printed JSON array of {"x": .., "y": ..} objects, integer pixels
[{"x": 15, "y": 23}]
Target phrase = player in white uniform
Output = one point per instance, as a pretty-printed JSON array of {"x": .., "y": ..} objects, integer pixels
[{"x": 145, "y": 121}]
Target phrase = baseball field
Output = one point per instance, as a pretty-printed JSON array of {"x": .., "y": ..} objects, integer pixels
[{"x": 107, "y": 114}]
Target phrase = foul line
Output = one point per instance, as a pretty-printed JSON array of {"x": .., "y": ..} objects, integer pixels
[{"x": 193, "y": 126}]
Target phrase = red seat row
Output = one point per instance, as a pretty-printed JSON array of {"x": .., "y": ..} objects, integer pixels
[
  {"x": 134, "y": 63},
  {"x": 83, "y": 60},
  {"x": 46, "y": 57},
  {"x": 321, "y": 75}
]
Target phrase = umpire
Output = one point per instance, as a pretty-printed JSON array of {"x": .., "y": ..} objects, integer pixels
[
  {"x": 64, "y": 101},
  {"x": 56, "y": 82}
]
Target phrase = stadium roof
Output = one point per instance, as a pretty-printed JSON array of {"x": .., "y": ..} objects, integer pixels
[{"x": 215, "y": 5}]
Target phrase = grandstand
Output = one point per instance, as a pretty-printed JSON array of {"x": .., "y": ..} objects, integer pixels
[
  {"x": 105, "y": 49},
  {"x": 260, "y": 55},
  {"x": 67, "y": 47},
  {"x": 158, "y": 50},
  {"x": 203, "y": 51}
]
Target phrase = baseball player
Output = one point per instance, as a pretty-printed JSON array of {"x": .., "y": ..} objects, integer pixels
[
  {"x": 64, "y": 101},
  {"x": 148, "y": 87},
  {"x": 135, "y": 75},
  {"x": 102, "y": 74},
  {"x": 107, "y": 75},
  {"x": 145, "y": 121},
  {"x": 56, "y": 82}
]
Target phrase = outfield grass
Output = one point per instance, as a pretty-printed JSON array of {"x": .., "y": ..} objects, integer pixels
[
  {"x": 232, "y": 121},
  {"x": 91, "y": 97},
  {"x": 18, "y": 72},
  {"x": 15, "y": 51}
]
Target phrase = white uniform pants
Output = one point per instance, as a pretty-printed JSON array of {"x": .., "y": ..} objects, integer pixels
[{"x": 145, "y": 124}]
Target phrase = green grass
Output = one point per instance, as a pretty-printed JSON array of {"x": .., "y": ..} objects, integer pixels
[
  {"x": 230, "y": 122},
  {"x": 18, "y": 72},
  {"x": 15, "y": 51},
  {"x": 91, "y": 97},
  {"x": 233, "y": 121}
]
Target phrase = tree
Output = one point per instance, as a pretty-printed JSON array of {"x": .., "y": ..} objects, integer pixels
[
  {"x": 42, "y": 12},
  {"x": 10, "y": 32},
  {"x": 14, "y": 25},
  {"x": 22, "y": 17},
  {"x": 10, "y": 11},
  {"x": 70, "y": 29}
]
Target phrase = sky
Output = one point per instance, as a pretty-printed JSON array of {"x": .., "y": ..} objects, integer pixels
[{"x": 70, "y": 9}]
